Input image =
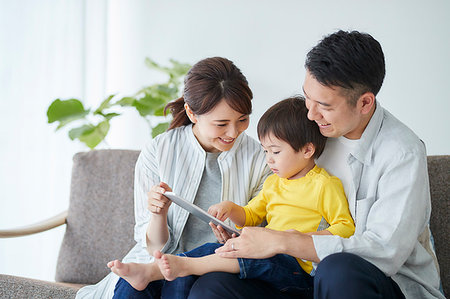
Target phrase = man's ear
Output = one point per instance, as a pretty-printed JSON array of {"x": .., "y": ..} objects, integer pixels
[
  {"x": 365, "y": 102},
  {"x": 308, "y": 150},
  {"x": 190, "y": 114}
]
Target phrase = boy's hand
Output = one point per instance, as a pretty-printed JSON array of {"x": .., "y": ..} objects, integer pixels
[
  {"x": 221, "y": 210},
  {"x": 157, "y": 203},
  {"x": 221, "y": 234}
]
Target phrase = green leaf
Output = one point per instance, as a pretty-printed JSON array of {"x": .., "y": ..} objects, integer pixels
[
  {"x": 65, "y": 111},
  {"x": 104, "y": 105},
  {"x": 94, "y": 137},
  {"x": 126, "y": 101},
  {"x": 111, "y": 115},
  {"x": 160, "y": 111},
  {"x": 179, "y": 69},
  {"x": 77, "y": 132},
  {"x": 160, "y": 128},
  {"x": 153, "y": 65},
  {"x": 148, "y": 104}
]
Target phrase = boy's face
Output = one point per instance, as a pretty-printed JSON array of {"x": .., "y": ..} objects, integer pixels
[
  {"x": 331, "y": 111},
  {"x": 283, "y": 160}
]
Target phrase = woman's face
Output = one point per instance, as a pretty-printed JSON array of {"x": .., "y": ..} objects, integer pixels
[{"x": 217, "y": 130}]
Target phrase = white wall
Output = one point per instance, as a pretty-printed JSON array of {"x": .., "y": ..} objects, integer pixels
[{"x": 268, "y": 40}]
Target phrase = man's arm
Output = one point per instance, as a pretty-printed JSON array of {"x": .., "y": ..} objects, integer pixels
[{"x": 258, "y": 243}]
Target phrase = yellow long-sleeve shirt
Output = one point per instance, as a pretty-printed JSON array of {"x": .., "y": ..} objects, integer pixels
[{"x": 312, "y": 203}]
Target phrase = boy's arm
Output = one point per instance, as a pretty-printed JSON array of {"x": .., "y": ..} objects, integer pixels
[{"x": 228, "y": 210}]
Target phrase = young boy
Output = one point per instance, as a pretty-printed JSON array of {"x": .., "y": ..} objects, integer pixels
[{"x": 299, "y": 196}]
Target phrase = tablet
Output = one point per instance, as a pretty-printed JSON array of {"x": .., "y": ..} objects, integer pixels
[{"x": 196, "y": 211}]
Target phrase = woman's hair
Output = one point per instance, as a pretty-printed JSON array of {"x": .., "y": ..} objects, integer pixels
[
  {"x": 287, "y": 120},
  {"x": 207, "y": 83},
  {"x": 351, "y": 60}
]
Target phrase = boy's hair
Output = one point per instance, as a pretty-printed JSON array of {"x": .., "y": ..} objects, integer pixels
[
  {"x": 287, "y": 120},
  {"x": 351, "y": 60}
]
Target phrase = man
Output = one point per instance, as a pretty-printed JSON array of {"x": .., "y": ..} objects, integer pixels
[{"x": 383, "y": 167}]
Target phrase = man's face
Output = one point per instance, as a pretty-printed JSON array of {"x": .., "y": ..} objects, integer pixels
[{"x": 330, "y": 110}]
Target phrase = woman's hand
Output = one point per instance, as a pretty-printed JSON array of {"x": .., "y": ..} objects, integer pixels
[{"x": 157, "y": 203}]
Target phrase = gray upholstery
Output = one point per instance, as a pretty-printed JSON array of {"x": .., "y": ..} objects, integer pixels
[
  {"x": 13, "y": 287},
  {"x": 101, "y": 215},
  {"x": 101, "y": 219},
  {"x": 439, "y": 173}
]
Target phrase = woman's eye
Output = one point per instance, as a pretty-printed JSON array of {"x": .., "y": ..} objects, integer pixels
[
  {"x": 276, "y": 153},
  {"x": 243, "y": 120},
  {"x": 221, "y": 125}
]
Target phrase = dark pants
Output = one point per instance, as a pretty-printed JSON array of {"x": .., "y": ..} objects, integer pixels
[
  {"x": 178, "y": 288},
  {"x": 340, "y": 275},
  {"x": 281, "y": 271}
]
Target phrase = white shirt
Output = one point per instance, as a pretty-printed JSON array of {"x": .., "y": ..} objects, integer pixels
[
  {"x": 177, "y": 159},
  {"x": 390, "y": 202}
]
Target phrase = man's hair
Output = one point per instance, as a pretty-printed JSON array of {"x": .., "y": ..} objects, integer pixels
[
  {"x": 351, "y": 60},
  {"x": 287, "y": 120}
]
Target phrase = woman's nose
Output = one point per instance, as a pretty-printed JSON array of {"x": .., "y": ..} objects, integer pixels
[{"x": 232, "y": 132}]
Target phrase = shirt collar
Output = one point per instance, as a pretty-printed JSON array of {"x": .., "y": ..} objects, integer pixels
[{"x": 364, "y": 151}]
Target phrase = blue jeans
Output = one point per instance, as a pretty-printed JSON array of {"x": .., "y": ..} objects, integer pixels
[
  {"x": 178, "y": 288},
  {"x": 282, "y": 272},
  {"x": 340, "y": 275}
]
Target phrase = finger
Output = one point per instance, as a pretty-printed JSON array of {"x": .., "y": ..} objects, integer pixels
[
  {"x": 165, "y": 187},
  {"x": 216, "y": 233}
]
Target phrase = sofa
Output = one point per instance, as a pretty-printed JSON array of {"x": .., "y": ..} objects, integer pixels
[{"x": 100, "y": 219}]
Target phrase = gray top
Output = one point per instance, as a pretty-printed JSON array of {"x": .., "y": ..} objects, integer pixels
[{"x": 196, "y": 231}]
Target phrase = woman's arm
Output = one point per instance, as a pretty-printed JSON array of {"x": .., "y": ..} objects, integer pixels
[
  {"x": 258, "y": 242},
  {"x": 157, "y": 229}
]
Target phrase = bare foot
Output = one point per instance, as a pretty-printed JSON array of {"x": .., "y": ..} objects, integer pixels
[
  {"x": 137, "y": 275},
  {"x": 172, "y": 266}
]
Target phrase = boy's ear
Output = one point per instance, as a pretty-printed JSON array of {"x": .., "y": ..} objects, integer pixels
[
  {"x": 308, "y": 150},
  {"x": 190, "y": 114}
]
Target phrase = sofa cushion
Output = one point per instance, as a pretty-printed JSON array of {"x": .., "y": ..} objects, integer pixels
[
  {"x": 100, "y": 221},
  {"x": 439, "y": 173}
]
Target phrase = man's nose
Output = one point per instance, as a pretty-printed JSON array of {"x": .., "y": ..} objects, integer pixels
[{"x": 312, "y": 112}]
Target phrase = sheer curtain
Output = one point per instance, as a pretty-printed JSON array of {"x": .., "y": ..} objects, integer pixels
[{"x": 48, "y": 49}]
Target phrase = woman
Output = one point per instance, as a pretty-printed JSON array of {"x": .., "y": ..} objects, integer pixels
[{"x": 206, "y": 158}]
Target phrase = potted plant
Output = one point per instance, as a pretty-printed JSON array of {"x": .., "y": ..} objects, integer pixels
[{"x": 91, "y": 126}]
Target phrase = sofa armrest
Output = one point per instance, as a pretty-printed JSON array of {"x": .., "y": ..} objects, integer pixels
[
  {"x": 19, "y": 287},
  {"x": 42, "y": 226}
]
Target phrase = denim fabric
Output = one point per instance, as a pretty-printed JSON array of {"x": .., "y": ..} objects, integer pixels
[
  {"x": 281, "y": 271},
  {"x": 176, "y": 289},
  {"x": 220, "y": 285},
  {"x": 346, "y": 275}
]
